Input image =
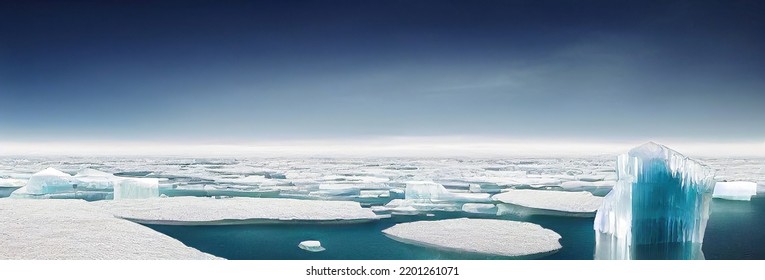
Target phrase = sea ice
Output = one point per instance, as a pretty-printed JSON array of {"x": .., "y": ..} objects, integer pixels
[
  {"x": 76, "y": 230},
  {"x": 431, "y": 191},
  {"x": 311, "y": 246},
  {"x": 238, "y": 210},
  {"x": 134, "y": 188},
  {"x": 658, "y": 209},
  {"x": 479, "y": 236},
  {"x": 564, "y": 203},
  {"x": 735, "y": 190},
  {"x": 480, "y": 208}
]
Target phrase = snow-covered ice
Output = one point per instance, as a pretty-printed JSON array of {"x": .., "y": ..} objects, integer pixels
[
  {"x": 426, "y": 190},
  {"x": 735, "y": 190},
  {"x": 74, "y": 229},
  {"x": 238, "y": 210},
  {"x": 133, "y": 188},
  {"x": 480, "y": 236},
  {"x": 311, "y": 246},
  {"x": 480, "y": 208},
  {"x": 662, "y": 197},
  {"x": 566, "y": 202}
]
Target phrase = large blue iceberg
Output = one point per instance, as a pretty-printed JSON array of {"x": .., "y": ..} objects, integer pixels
[{"x": 658, "y": 209}]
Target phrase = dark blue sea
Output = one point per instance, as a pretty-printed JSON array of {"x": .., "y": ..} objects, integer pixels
[{"x": 733, "y": 233}]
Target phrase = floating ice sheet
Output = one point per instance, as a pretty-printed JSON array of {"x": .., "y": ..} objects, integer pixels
[
  {"x": 569, "y": 202},
  {"x": 239, "y": 210},
  {"x": 735, "y": 190},
  {"x": 73, "y": 229},
  {"x": 425, "y": 190},
  {"x": 480, "y": 236}
]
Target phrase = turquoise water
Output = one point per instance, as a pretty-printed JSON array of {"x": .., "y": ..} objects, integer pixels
[{"x": 734, "y": 232}]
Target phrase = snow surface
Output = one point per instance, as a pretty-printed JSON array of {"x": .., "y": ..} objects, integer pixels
[
  {"x": 238, "y": 210},
  {"x": 480, "y": 236},
  {"x": 480, "y": 208},
  {"x": 735, "y": 190},
  {"x": 574, "y": 202},
  {"x": 74, "y": 229},
  {"x": 426, "y": 190}
]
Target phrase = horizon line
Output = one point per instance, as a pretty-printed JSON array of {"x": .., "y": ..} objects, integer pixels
[{"x": 377, "y": 147}]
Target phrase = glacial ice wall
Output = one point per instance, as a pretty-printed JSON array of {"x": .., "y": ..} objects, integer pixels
[{"x": 658, "y": 209}]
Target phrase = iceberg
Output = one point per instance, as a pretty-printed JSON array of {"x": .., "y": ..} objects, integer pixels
[
  {"x": 658, "y": 209},
  {"x": 236, "y": 210},
  {"x": 311, "y": 246},
  {"x": 88, "y": 184},
  {"x": 75, "y": 230},
  {"x": 488, "y": 237},
  {"x": 735, "y": 190},
  {"x": 49, "y": 181}
]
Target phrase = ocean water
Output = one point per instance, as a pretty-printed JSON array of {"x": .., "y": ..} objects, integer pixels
[{"x": 733, "y": 233}]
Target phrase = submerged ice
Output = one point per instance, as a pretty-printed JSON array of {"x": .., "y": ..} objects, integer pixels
[{"x": 658, "y": 209}]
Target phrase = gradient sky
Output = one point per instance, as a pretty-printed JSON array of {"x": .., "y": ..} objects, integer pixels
[{"x": 233, "y": 71}]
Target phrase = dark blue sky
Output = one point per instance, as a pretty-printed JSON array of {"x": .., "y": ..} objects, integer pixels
[{"x": 219, "y": 71}]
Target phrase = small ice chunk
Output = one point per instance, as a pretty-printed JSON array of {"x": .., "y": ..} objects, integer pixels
[
  {"x": 311, "y": 246},
  {"x": 480, "y": 208},
  {"x": 735, "y": 190},
  {"x": 480, "y": 236},
  {"x": 571, "y": 202}
]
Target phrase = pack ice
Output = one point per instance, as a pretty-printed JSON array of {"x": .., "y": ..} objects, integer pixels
[
  {"x": 735, "y": 190},
  {"x": 658, "y": 209},
  {"x": 52, "y": 183},
  {"x": 559, "y": 203},
  {"x": 237, "y": 210},
  {"x": 74, "y": 229},
  {"x": 479, "y": 236}
]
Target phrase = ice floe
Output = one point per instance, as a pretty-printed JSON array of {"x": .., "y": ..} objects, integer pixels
[
  {"x": 735, "y": 190},
  {"x": 73, "y": 229},
  {"x": 564, "y": 203},
  {"x": 311, "y": 246},
  {"x": 479, "y": 236},
  {"x": 480, "y": 208},
  {"x": 238, "y": 210}
]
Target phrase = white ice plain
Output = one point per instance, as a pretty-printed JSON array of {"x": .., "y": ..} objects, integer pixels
[
  {"x": 479, "y": 236},
  {"x": 76, "y": 230},
  {"x": 237, "y": 210},
  {"x": 735, "y": 190},
  {"x": 564, "y": 203}
]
